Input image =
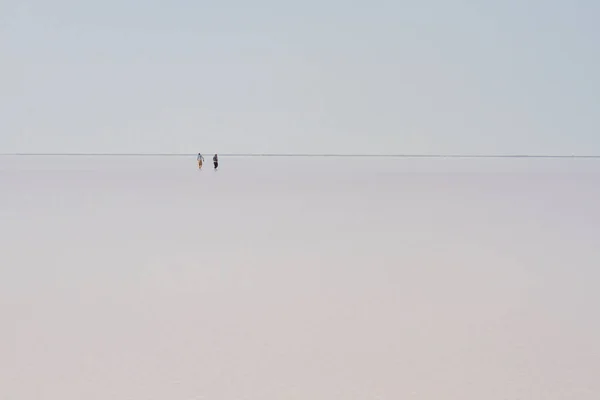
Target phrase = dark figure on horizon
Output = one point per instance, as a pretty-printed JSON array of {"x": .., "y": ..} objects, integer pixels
[{"x": 216, "y": 161}]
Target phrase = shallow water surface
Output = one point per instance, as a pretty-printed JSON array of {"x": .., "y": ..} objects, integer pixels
[{"x": 299, "y": 278}]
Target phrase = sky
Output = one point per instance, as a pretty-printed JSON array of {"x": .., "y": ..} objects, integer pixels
[{"x": 327, "y": 76}]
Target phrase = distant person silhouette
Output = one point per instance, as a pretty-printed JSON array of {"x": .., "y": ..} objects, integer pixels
[
  {"x": 216, "y": 161},
  {"x": 200, "y": 160}
]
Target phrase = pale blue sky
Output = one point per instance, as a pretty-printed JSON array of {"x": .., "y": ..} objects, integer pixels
[{"x": 329, "y": 76}]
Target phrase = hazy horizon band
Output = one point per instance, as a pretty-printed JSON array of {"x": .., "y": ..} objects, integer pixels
[{"x": 304, "y": 155}]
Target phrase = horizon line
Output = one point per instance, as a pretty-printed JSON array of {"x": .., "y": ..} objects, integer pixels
[{"x": 305, "y": 155}]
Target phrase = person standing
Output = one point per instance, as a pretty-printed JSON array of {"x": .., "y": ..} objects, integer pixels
[
  {"x": 216, "y": 161},
  {"x": 200, "y": 160}
]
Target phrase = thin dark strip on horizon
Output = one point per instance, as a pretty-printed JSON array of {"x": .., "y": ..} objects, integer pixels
[{"x": 304, "y": 155}]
